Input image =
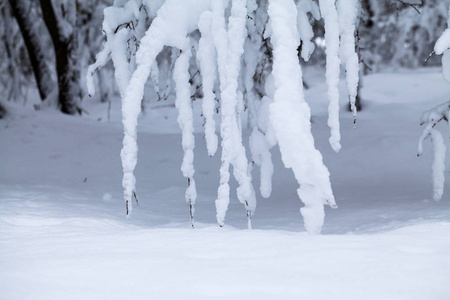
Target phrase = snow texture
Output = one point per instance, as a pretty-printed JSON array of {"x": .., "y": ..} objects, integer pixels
[
  {"x": 262, "y": 140},
  {"x": 442, "y": 46},
  {"x": 439, "y": 150},
  {"x": 186, "y": 122},
  {"x": 290, "y": 117},
  {"x": 347, "y": 13},
  {"x": 63, "y": 235},
  {"x": 330, "y": 17},
  {"x": 230, "y": 46},
  {"x": 431, "y": 118},
  {"x": 207, "y": 58},
  {"x": 170, "y": 27},
  {"x": 305, "y": 28}
]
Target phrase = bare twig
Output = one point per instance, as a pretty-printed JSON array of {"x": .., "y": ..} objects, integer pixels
[
  {"x": 192, "y": 77},
  {"x": 429, "y": 56},
  {"x": 409, "y": 4},
  {"x": 136, "y": 198},
  {"x": 82, "y": 109}
]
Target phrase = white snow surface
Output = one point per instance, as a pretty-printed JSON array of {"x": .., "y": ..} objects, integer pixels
[{"x": 64, "y": 235}]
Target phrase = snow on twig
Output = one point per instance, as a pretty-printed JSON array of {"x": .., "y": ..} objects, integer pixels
[{"x": 431, "y": 118}]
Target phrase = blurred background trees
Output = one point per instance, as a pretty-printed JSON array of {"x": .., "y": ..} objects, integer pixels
[{"x": 47, "y": 45}]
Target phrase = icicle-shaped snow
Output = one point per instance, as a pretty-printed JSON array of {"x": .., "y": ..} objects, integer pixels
[
  {"x": 229, "y": 46},
  {"x": 186, "y": 122},
  {"x": 206, "y": 56},
  {"x": 170, "y": 27},
  {"x": 101, "y": 59},
  {"x": 262, "y": 140},
  {"x": 261, "y": 156},
  {"x": 330, "y": 17},
  {"x": 305, "y": 29},
  {"x": 430, "y": 118},
  {"x": 443, "y": 43},
  {"x": 442, "y": 46},
  {"x": 119, "y": 57},
  {"x": 438, "y": 166},
  {"x": 290, "y": 117},
  {"x": 433, "y": 116},
  {"x": 154, "y": 75},
  {"x": 347, "y": 11}
]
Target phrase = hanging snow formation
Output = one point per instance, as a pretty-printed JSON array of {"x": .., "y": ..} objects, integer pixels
[
  {"x": 246, "y": 54},
  {"x": 330, "y": 17},
  {"x": 347, "y": 11},
  {"x": 433, "y": 116},
  {"x": 290, "y": 117}
]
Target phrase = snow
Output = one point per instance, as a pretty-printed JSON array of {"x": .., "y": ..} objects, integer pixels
[
  {"x": 64, "y": 235},
  {"x": 442, "y": 46},
  {"x": 333, "y": 62},
  {"x": 438, "y": 167},
  {"x": 186, "y": 122},
  {"x": 304, "y": 28},
  {"x": 347, "y": 12},
  {"x": 207, "y": 58},
  {"x": 290, "y": 118},
  {"x": 169, "y": 28},
  {"x": 431, "y": 118},
  {"x": 230, "y": 46}
]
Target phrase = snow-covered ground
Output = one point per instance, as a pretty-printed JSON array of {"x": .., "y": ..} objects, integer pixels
[{"x": 64, "y": 235}]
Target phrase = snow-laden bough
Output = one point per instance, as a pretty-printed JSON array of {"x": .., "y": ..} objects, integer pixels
[
  {"x": 246, "y": 54},
  {"x": 435, "y": 115}
]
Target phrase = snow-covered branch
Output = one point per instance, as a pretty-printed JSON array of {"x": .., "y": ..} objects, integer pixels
[
  {"x": 246, "y": 58},
  {"x": 430, "y": 119}
]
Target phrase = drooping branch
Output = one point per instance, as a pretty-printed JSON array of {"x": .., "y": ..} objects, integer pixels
[
  {"x": 290, "y": 117},
  {"x": 431, "y": 118},
  {"x": 413, "y": 5}
]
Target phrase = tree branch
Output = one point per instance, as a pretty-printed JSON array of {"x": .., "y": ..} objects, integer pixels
[{"x": 414, "y": 6}]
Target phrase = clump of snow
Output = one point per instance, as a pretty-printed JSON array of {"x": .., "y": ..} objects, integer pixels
[
  {"x": 304, "y": 26},
  {"x": 442, "y": 46},
  {"x": 330, "y": 17},
  {"x": 347, "y": 12},
  {"x": 230, "y": 46},
  {"x": 290, "y": 118},
  {"x": 174, "y": 20},
  {"x": 186, "y": 122},
  {"x": 207, "y": 58},
  {"x": 228, "y": 40},
  {"x": 431, "y": 118}
]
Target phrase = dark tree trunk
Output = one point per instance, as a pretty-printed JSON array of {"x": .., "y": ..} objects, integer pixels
[
  {"x": 34, "y": 47},
  {"x": 2, "y": 111},
  {"x": 65, "y": 43}
]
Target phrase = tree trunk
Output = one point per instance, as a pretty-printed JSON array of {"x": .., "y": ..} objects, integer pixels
[
  {"x": 2, "y": 111},
  {"x": 63, "y": 32},
  {"x": 34, "y": 47}
]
